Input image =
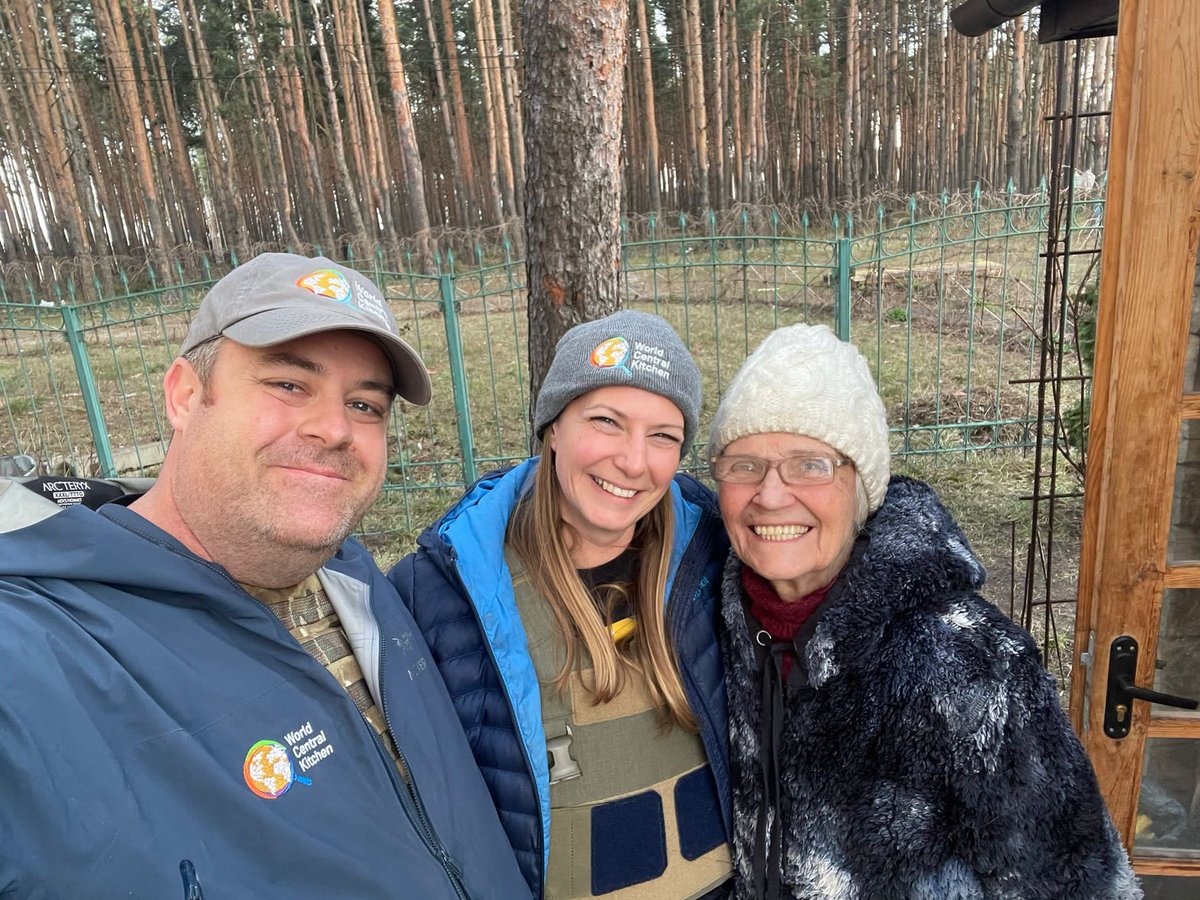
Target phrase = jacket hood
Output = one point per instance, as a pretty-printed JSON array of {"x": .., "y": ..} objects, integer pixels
[
  {"x": 913, "y": 530},
  {"x": 484, "y": 506},
  {"x": 80, "y": 544},
  {"x": 477, "y": 523},
  {"x": 108, "y": 546},
  {"x": 912, "y": 533},
  {"x": 479, "y": 520},
  {"x": 911, "y": 556}
]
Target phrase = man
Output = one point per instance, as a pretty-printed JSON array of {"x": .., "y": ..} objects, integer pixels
[{"x": 206, "y": 689}]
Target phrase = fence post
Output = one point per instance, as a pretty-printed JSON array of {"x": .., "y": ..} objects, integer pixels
[
  {"x": 91, "y": 398},
  {"x": 842, "y": 300},
  {"x": 458, "y": 377}
]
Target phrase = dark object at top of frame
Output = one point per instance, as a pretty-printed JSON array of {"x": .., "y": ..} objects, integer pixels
[{"x": 1061, "y": 20}]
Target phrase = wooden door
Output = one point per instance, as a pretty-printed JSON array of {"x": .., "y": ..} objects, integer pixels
[{"x": 1140, "y": 565}]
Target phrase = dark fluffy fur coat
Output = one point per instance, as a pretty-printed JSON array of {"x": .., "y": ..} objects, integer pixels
[{"x": 927, "y": 755}]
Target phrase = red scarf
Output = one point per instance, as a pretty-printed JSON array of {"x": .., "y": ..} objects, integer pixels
[{"x": 781, "y": 619}]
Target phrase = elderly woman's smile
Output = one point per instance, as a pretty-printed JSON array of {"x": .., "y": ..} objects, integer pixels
[
  {"x": 797, "y": 536},
  {"x": 781, "y": 532}
]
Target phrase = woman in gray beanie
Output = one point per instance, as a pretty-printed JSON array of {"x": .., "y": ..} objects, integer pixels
[
  {"x": 570, "y": 604},
  {"x": 893, "y": 735}
]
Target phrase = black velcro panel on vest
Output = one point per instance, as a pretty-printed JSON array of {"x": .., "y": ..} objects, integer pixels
[
  {"x": 629, "y": 842},
  {"x": 698, "y": 813}
]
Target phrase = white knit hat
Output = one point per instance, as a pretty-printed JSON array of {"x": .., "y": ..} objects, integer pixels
[{"x": 804, "y": 380}]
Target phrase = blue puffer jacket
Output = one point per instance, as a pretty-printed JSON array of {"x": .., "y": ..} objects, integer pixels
[
  {"x": 459, "y": 589},
  {"x": 152, "y": 712}
]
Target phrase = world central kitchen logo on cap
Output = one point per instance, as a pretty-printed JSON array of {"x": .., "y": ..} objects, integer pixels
[
  {"x": 328, "y": 283},
  {"x": 611, "y": 354}
]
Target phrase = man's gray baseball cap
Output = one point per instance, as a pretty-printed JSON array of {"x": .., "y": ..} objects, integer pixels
[{"x": 277, "y": 297}]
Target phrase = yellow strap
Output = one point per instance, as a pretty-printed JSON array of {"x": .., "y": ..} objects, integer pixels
[{"x": 622, "y": 629}]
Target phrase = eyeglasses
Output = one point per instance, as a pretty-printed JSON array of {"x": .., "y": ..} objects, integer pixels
[{"x": 804, "y": 469}]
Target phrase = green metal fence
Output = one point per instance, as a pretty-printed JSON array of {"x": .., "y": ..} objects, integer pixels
[{"x": 942, "y": 296}]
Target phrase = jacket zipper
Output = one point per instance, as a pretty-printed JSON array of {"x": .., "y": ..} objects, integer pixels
[
  {"x": 702, "y": 539},
  {"x": 409, "y": 790},
  {"x": 541, "y": 848},
  {"x": 409, "y": 798}
]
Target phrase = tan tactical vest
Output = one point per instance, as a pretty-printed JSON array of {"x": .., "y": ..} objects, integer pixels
[{"x": 634, "y": 812}]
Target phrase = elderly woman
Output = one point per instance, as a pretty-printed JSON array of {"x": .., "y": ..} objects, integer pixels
[
  {"x": 893, "y": 735},
  {"x": 570, "y": 603}
]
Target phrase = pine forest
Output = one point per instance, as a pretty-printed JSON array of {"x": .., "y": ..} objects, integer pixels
[{"x": 151, "y": 129}]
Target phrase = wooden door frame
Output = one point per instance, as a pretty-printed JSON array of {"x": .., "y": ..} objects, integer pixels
[{"x": 1148, "y": 264}]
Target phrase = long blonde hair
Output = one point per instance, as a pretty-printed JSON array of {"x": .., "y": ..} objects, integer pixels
[{"x": 541, "y": 538}]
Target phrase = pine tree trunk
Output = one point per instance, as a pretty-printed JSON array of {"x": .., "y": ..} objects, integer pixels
[
  {"x": 512, "y": 103},
  {"x": 573, "y": 86},
  {"x": 229, "y": 208},
  {"x": 347, "y": 118},
  {"x": 47, "y": 114},
  {"x": 850, "y": 181},
  {"x": 463, "y": 196},
  {"x": 377, "y": 170},
  {"x": 650, "y": 118},
  {"x": 699, "y": 100},
  {"x": 484, "y": 50},
  {"x": 349, "y": 189},
  {"x": 266, "y": 111},
  {"x": 499, "y": 110},
  {"x": 23, "y": 148},
  {"x": 117, "y": 49},
  {"x": 633, "y": 191},
  {"x": 189, "y": 193},
  {"x": 735, "y": 105},
  {"x": 458, "y": 107},
  {"x": 293, "y": 108},
  {"x": 720, "y": 192},
  {"x": 150, "y": 115},
  {"x": 410, "y": 154},
  {"x": 754, "y": 113}
]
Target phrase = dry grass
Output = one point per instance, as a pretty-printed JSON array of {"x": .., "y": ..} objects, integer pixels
[{"x": 949, "y": 343}]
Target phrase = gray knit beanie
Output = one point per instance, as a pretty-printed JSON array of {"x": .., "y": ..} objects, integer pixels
[
  {"x": 627, "y": 348},
  {"x": 804, "y": 380}
]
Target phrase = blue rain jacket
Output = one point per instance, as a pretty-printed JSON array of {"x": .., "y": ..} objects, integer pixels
[{"x": 152, "y": 713}]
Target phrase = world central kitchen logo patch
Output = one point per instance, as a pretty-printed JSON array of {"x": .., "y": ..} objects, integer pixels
[
  {"x": 328, "y": 283},
  {"x": 271, "y": 767},
  {"x": 611, "y": 354},
  {"x": 630, "y": 357}
]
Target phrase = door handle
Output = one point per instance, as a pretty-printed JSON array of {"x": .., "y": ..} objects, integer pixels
[{"x": 1118, "y": 705}]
